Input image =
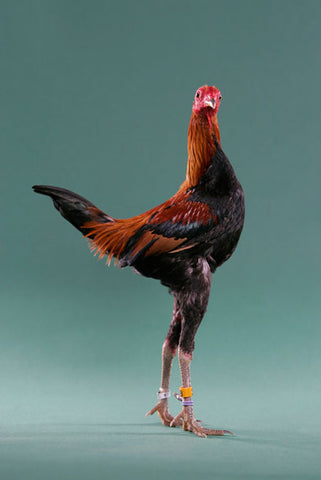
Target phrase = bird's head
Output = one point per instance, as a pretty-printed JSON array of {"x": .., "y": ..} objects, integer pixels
[{"x": 207, "y": 100}]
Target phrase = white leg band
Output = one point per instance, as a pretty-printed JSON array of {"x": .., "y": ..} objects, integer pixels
[{"x": 163, "y": 395}]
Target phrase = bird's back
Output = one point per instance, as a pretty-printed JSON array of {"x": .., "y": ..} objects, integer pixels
[{"x": 213, "y": 238}]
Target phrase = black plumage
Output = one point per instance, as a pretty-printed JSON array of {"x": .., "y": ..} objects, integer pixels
[{"x": 180, "y": 242}]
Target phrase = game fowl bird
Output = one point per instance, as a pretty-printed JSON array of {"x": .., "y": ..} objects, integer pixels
[{"x": 180, "y": 242}]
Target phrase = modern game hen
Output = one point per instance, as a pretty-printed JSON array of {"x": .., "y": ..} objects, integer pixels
[{"x": 180, "y": 242}]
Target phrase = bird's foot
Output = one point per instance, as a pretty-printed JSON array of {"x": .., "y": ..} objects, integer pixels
[
  {"x": 188, "y": 422},
  {"x": 163, "y": 412}
]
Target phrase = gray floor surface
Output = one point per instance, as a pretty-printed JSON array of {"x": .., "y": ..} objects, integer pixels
[{"x": 149, "y": 450}]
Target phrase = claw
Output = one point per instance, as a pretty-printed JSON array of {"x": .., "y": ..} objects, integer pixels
[
  {"x": 177, "y": 421},
  {"x": 162, "y": 409},
  {"x": 186, "y": 419},
  {"x": 152, "y": 411}
]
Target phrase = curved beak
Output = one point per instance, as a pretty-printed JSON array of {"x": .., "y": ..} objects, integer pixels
[{"x": 210, "y": 102}]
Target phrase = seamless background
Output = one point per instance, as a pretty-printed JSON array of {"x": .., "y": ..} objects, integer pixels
[{"x": 96, "y": 97}]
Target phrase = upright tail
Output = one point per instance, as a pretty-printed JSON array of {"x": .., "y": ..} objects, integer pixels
[{"x": 74, "y": 208}]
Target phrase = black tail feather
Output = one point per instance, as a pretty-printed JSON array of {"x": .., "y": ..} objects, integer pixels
[{"x": 74, "y": 208}]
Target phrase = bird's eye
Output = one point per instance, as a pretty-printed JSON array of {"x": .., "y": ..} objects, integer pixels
[
  {"x": 197, "y": 94},
  {"x": 220, "y": 97}
]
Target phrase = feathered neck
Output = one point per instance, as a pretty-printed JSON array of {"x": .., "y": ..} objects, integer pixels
[{"x": 200, "y": 146}]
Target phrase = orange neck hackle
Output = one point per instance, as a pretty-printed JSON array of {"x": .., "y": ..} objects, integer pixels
[{"x": 200, "y": 146}]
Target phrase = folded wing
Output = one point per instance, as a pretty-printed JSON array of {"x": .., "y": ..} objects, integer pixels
[{"x": 176, "y": 225}]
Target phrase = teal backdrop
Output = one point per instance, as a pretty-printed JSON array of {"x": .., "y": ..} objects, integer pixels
[{"x": 96, "y": 97}]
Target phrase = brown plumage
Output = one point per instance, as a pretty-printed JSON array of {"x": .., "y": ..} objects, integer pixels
[
  {"x": 112, "y": 238},
  {"x": 180, "y": 242}
]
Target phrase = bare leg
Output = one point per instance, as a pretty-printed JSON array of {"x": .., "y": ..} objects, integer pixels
[
  {"x": 193, "y": 302},
  {"x": 187, "y": 414},
  {"x": 168, "y": 354}
]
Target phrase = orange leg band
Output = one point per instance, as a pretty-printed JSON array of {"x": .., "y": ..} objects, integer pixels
[{"x": 186, "y": 391}]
